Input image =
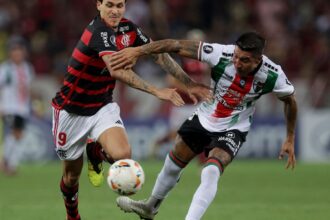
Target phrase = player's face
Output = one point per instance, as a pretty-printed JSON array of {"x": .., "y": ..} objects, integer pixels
[
  {"x": 245, "y": 62},
  {"x": 112, "y": 11},
  {"x": 17, "y": 54}
]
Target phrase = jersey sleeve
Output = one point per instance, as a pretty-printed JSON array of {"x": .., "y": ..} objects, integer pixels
[
  {"x": 103, "y": 41},
  {"x": 283, "y": 87},
  {"x": 141, "y": 38},
  {"x": 210, "y": 53}
]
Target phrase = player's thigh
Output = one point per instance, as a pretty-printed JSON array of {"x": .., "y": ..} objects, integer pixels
[
  {"x": 110, "y": 132},
  {"x": 182, "y": 150},
  {"x": 115, "y": 143},
  {"x": 191, "y": 139}
]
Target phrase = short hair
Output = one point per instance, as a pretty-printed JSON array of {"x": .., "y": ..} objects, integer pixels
[{"x": 251, "y": 42}]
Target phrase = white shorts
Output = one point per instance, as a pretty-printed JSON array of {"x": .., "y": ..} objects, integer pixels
[{"x": 72, "y": 131}]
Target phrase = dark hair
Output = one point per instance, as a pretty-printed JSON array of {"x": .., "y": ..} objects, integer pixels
[{"x": 251, "y": 42}]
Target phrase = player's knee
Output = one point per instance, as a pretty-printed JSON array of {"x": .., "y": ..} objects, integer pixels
[
  {"x": 211, "y": 170},
  {"x": 70, "y": 179},
  {"x": 122, "y": 153}
]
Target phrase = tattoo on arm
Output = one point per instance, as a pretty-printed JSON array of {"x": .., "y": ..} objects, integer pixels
[
  {"x": 169, "y": 65},
  {"x": 134, "y": 81},
  {"x": 186, "y": 48}
]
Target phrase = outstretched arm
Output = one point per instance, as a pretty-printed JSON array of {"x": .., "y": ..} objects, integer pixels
[
  {"x": 290, "y": 111},
  {"x": 196, "y": 91},
  {"x": 127, "y": 58},
  {"x": 130, "y": 78}
]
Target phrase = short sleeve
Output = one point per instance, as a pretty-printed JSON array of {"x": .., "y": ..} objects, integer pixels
[
  {"x": 103, "y": 41},
  {"x": 141, "y": 38},
  {"x": 283, "y": 87},
  {"x": 210, "y": 53}
]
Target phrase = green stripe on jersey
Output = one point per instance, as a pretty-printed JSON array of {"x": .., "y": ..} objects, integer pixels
[
  {"x": 270, "y": 82},
  {"x": 234, "y": 120},
  {"x": 219, "y": 69}
]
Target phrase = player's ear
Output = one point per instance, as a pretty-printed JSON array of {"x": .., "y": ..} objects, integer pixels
[{"x": 98, "y": 4}]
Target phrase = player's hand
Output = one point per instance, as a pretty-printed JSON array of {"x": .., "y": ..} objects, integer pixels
[
  {"x": 199, "y": 92},
  {"x": 124, "y": 59},
  {"x": 170, "y": 95},
  {"x": 288, "y": 149}
]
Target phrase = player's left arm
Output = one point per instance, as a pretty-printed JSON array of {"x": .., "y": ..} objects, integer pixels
[{"x": 290, "y": 112}]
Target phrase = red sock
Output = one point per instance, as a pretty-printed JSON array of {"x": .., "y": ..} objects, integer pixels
[{"x": 70, "y": 196}]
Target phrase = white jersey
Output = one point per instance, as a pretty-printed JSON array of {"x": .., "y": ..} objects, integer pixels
[
  {"x": 234, "y": 99},
  {"x": 15, "y": 81}
]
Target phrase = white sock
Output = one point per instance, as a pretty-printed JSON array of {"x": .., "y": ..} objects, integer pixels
[
  {"x": 205, "y": 193},
  {"x": 166, "y": 180}
]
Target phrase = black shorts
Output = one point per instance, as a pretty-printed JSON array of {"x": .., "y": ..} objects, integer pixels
[{"x": 201, "y": 140}]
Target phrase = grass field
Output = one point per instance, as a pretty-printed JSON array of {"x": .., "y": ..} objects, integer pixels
[{"x": 248, "y": 190}]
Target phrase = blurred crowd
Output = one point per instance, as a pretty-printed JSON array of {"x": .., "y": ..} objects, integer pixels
[
  {"x": 297, "y": 33},
  {"x": 41, "y": 34}
]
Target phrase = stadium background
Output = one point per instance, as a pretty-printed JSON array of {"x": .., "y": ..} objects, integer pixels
[{"x": 298, "y": 38}]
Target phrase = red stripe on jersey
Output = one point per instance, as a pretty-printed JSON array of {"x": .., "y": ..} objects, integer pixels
[
  {"x": 88, "y": 77},
  {"x": 86, "y": 37},
  {"x": 233, "y": 96},
  {"x": 82, "y": 58},
  {"x": 88, "y": 92},
  {"x": 101, "y": 54},
  {"x": 91, "y": 105}
]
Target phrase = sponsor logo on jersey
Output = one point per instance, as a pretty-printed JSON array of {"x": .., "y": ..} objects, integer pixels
[
  {"x": 143, "y": 38},
  {"x": 124, "y": 28},
  {"x": 227, "y": 76},
  {"x": 104, "y": 36},
  {"x": 125, "y": 40},
  {"x": 207, "y": 48},
  {"x": 220, "y": 99},
  {"x": 257, "y": 86}
]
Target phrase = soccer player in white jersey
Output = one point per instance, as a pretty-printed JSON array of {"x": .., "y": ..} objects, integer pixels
[
  {"x": 240, "y": 75},
  {"x": 16, "y": 76}
]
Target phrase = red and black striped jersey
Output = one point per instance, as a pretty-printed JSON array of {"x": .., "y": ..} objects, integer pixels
[{"x": 88, "y": 85}]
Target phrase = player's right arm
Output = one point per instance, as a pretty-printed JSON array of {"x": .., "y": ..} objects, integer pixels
[
  {"x": 127, "y": 58},
  {"x": 133, "y": 80}
]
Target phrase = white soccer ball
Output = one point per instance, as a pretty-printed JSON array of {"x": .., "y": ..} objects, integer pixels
[{"x": 125, "y": 177}]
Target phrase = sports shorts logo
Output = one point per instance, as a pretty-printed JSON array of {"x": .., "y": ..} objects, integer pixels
[
  {"x": 208, "y": 49},
  {"x": 61, "y": 154},
  {"x": 230, "y": 134}
]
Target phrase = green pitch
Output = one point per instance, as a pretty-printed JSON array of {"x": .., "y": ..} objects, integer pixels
[{"x": 248, "y": 190}]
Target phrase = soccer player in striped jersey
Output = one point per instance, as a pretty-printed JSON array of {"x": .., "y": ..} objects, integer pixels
[
  {"x": 240, "y": 75},
  {"x": 83, "y": 109}
]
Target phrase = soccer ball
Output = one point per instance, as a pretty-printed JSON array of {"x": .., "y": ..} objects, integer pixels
[{"x": 125, "y": 177}]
